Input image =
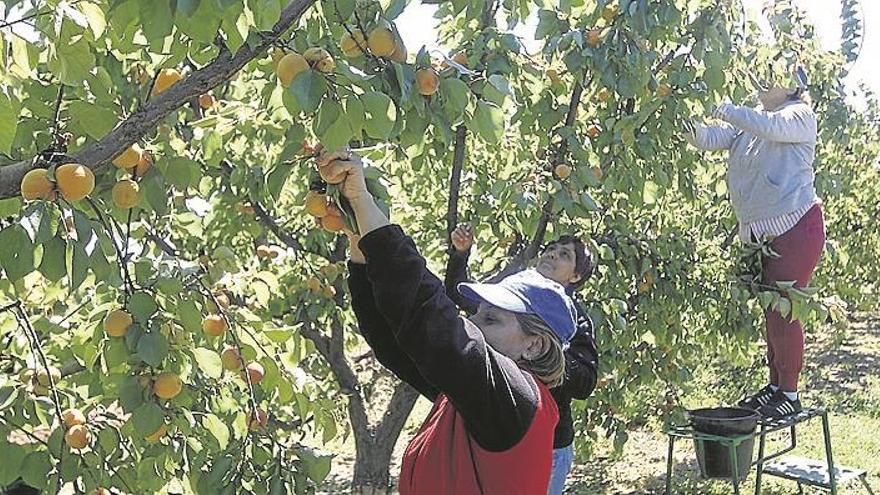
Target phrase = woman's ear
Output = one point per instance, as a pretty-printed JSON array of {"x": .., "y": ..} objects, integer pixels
[{"x": 536, "y": 346}]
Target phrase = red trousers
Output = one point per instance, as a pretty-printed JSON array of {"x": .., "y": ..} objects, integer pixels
[{"x": 799, "y": 250}]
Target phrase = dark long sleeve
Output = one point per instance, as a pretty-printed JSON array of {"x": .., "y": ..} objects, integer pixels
[
  {"x": 495, "y": 397},
  {"x": 581, "y": 361},
  {"x": 456, "y": 273},
  {"x": 378, "y": 334}
]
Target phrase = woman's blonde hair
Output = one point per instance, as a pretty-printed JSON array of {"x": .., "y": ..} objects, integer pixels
[{"x": 549, "y": 366}]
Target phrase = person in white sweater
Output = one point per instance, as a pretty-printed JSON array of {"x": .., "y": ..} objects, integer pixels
[{"x": 771, "y": 183}]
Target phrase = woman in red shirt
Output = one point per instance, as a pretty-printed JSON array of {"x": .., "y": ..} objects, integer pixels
[{"x": 491, "y": 428}]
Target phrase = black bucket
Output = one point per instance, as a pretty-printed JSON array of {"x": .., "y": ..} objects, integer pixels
[{"x": 713, "y": 456}]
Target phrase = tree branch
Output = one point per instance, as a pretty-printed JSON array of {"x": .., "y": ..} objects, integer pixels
[{"x": 147, "y": 117}]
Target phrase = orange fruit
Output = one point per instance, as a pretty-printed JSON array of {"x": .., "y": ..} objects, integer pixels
[
  {"x": 597, "y": 172},
  {"x": 262, "y": 251},
  {"x": 258, "y": 423},
  {"x": 207, "y": 101},
  {"x": 562, "y": 171},
  {"x": 274, "y": 252},
  {"x": 593, "y": 131},
  {"x": 157, "y": 435},
  {"x": 329, "y": 291},
  {"x": 167, "y": 385},
  {"x": 116, "y": 322},
  {"x": 77, "y": 436},
  {"x": 594, "y": 37},
  {"x": 316, "y": 204},
  {"x": 399, "y": 54},
  {"x": 609, "y": 12},
  {"x": 74, "y": 181},
  {"x": 255, "y": 371},
  {"x": 36, "y": 185},
  {"x": 230, "y": 358},
  {"x": 144, "y": 164},
  {"x": 313, "y": 284},
  {"x": 214, "y": 325},
  {"x": 129, "y": 158},
  {"x": 352, "y": 44},
  {"x": 664, "y": 90},
  {"x": 603, "y": 95},
  {"x": 43, "y": 377},
  {"x": 460, "y": 58},
  {"x": 73, "y": 417},
  {"x": 427, "y": 81},
  {"x": 126, "y": 194},
  {"x": 319, "y": 59},
  {"x": 290, "y": 66},
  {"x": 165, "y": 79},
  {"x": 332, "y": 223},
  {"x": 381, "y": 41}
]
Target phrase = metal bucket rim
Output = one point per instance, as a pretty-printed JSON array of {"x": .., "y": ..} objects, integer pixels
[{"x": 752, "y": 415}]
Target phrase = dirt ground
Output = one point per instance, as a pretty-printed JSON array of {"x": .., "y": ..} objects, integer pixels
[{"x": 842, "y": 373}]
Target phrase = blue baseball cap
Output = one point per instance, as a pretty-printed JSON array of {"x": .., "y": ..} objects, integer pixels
[{"x": 529, "y": 292}]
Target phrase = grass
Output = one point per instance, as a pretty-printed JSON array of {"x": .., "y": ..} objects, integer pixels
[{"x": 841, "y": 374}]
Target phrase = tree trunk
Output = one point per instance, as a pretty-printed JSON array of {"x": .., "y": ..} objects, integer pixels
[{"x": 375, "y": 446}]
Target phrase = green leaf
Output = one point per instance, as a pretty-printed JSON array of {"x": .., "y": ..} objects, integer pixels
[
  {"x": 9, "y": 111},
  {"x": 187, "y": 7},
  {"x": 52, "y": 266},
  {"x": 72, "y": 62},
  {"x": 35, "y": 468},
  {"x": 8, "y": 395},
  {"x": 95, "y": 18},
  {"x": 156, "y": 19},
  {"x": 13, "y": 458},
  {"x": 189, "y": 316},
  {"x": 308, "y": 88},
  {"x": 153, "y": 348},
  {"x": 147, "y": 418},
  {"x": 156, "y": 193},
  {"x": 381, "y": 114},
  {"x": 177, "y": 171},
  {"x": 142, "y": 305},
  {"x": 17, "y": 253},
  {"x": 338, "y": 134},
  {"x": 209, "y": 362},
  {"x": 92, "y": 119},
  {"x": 217, "y": 428},
  {"x": 356, "y": 116},
  {"x": 316, "y": 463},
  {"x": 266, "y": 13},
  {"x": 488, "y": 122},
  {"x": 455, "y": 94},
  {"x": 131, "y": 395},
  {"x": 202, "y": 25}
]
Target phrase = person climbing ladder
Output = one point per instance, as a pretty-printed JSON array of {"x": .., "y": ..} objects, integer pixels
[{"x": 771, "y": 183}]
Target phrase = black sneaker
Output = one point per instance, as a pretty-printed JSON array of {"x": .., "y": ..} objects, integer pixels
[
  {"x": 754, "y": 402},
  {"x": 780, "y": 406}
]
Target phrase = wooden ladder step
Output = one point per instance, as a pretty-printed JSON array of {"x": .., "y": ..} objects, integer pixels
[{"x": 812, "y": 472}]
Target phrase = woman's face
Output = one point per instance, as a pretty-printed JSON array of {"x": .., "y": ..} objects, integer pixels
[
  {"x": 503, "y": 332},
  {"x": 558, "y": 263},
  {"x": 773, "y": 98}
]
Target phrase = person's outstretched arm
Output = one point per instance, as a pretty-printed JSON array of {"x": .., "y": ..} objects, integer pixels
[
  {"x": 496, "y": 398},
  {"x": 375, "y": 329},
  {"x": 711, "y": 137},
  {"x": 790, "y": 124},
  {"x": 457, "y": 269},
  {"x": 581, "y": 361}
]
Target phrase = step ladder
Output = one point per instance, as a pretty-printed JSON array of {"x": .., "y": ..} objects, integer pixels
[{"x": 805, "y": 472}]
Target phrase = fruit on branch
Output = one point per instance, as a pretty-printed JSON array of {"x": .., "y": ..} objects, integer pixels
[
  {"x": 158, "y": 434},
  {"x": 258, "y": 423},
  {"x": 381, "y": 41},
  {"x": 262, "y": 251},
  {"x": 42, "y": 376},
  {"x": 353, "y": 44},
  {"x": 144, "y": 164},
  {"x": 320, "y": 59},
  {"x": 315, "y": 204},
  {"x": 427, "y": 81},
  {"x": 593, "y": 131},
  {"x": 165, "y": 79},
  {"x": 290, "y": 66},
  {"x": 129, "y": 158},
  {"x": 126, "y": 194},
  {"x": 594, "y": 37},
  {"x": 77, "y": 437},
  {"x": 75, "y": 181},
  {"x": 664, "y": 90},
  {"x": 255, "y": 371},
  {"x": 207, "y": 101},
  {"x": 73, "y": 417},
  {"x": 116, "y": 322},
  {"x": 167, "y": 385},
  {"x": 562, "y": 171},
  {"x": 36, "y": 185},
  {"x": 230, "y": 358},
  {"x": 214, "y": 325}
]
